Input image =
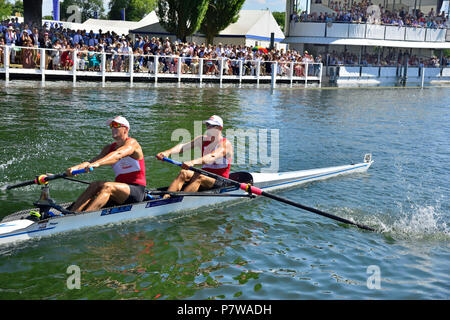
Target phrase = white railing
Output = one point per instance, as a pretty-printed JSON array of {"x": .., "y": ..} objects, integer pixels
[
  {"x": 366, "y": 31},
  {"x": 76, "y": 63},
  {"x": 411, "y": 73}
]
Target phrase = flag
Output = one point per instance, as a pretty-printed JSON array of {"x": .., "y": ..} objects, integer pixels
[
  {"x": 56, "y": 10},
  {"x": 122, "y": 13}
]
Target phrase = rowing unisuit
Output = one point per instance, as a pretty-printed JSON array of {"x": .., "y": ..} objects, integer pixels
[
  {"x": 129, "y": 170},
  {"x": 221, "y": 166}
]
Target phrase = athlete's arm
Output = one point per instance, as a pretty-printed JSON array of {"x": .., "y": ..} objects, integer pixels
[
  {"x": 86, "y": 164},
  {"x": 225, "y": 150},
  {"x": 182, "y": 147},
  {"x": 111, "y": 158}
]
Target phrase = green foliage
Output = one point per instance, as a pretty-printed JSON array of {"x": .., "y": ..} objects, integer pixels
[
  {"x": 181, "y": 17},
  {"x": 220, "y": 14},
  {"x": 135, "y": 10},
  {"x": 5, "y": 9},
  {"x": 279, "y": 17},
  {"x": 17, "y": 7},
  {"x": 114, "y": 9}
]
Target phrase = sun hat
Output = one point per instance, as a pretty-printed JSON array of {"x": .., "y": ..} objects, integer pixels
[
  {"x": 214, "y": 121},
  {"x": 119, "y": 119}
]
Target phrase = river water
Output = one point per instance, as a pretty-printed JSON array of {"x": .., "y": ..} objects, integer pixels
[{"x": 252, "y": 250}]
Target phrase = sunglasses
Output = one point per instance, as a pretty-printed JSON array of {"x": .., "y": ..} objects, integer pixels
[{"x": 115, "y": 125}]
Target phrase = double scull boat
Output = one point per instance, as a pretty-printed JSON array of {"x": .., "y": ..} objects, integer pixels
[{"x": 49, "y": 218}]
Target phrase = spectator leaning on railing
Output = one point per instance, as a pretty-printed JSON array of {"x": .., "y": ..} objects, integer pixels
[{"x": 61, "y": 44}]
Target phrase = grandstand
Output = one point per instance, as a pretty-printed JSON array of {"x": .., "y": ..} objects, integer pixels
[{"x": 376, "y": 40}]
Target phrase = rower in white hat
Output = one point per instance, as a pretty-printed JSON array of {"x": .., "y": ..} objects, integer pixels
[
  {"x": 217, "y": 154},
  {"x": 127, "y": 160}
]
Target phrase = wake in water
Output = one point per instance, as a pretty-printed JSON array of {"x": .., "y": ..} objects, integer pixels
[
  {"x": 418, "y": 223},
  {"x": 424, "y": 223}
]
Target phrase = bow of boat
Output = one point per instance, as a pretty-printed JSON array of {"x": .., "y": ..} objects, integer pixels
[{"x": 280, "y": 180}]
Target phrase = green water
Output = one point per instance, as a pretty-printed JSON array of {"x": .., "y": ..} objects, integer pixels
[{"x": 252, "y": 250}]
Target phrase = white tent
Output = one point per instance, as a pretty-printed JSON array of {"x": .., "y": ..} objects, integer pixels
[
  {"x": 254, "y": 27},
  {"x": 118, "y": 26}
]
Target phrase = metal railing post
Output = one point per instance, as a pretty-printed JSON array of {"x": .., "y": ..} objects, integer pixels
[
  {"x": 179, "y": 68},
  {"x": 131, "y": 67},
  {"x": 156, "y": 66},
  {"x": 6, "y": 63},
  {"x": 221, "y": 70},
  {"x": 200, "y": 69},
  {"x": 103, "y": 68},
  {"x": 274, "y": 74},
  {"x": 240, "y": 70},
  {"x": 74, "y": 67},
  {"x": 43, "y": 58},
  {"x": 258, "y": 70},
  {"x": 320, "y": 73},
  {"x": 291, "y": 72},
  {"x": 306, "y": 73}
]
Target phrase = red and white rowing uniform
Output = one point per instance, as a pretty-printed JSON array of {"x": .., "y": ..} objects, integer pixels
[
  {"x": 221, "y": 166},
  {"x": 129, "y": 170}
]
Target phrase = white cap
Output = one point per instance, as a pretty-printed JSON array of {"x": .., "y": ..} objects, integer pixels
[
  {"x": 121, "y": 120},
  {"x": 214, "y": 121}
]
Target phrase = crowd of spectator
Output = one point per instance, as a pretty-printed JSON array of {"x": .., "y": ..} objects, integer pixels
[
  {"x": 348, "y": 11},
  {"x": 90, "y": 48},
  {"x": 391, "y": 58},
  {"x": 151, "y": 53}
]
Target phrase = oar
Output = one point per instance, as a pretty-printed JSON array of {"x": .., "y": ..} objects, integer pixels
[
  {"x": 251, "y": 189},
  {"x": 43, "y": 179}
]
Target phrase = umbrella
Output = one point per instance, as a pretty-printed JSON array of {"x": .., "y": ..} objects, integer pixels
[{"x": 260, "y": 49}]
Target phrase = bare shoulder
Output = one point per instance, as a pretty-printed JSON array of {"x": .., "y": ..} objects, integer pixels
[
  {"x": 227, "y": 143},
  {"x": 137, "y": 150},
  {"x": 132, "y": 142}
]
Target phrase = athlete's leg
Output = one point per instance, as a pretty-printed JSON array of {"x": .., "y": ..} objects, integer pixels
[
  {"x": 116, "y": 191},
  {"x": 177, "y": 184},
  {"x": 199, "y": 180},
  {"x": 86, "y": 196}
]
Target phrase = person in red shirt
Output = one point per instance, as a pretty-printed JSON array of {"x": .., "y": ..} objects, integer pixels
[
  {"x": 127, "y": 160},
  {"x": 217, "y": 154}
]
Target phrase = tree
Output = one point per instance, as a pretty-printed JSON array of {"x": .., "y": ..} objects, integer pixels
[
  {"x": 181, "y": 17},
  {"x": 17, "y": 7},
  {"x": 279, "y": 17},
  {"x": 220, "y": 14},
  {"x": 135, "y": 10},
  {"x": 87, "y": 8},
  {"x": 115, "y": 6},
  {"x": 5, "y": 9}
]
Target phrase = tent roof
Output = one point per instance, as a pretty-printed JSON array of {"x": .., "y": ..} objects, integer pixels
[
  {"x": 256, "y": 23},
  {"x": 119, "y": 26},
  {"x": 155, "y": 28}
]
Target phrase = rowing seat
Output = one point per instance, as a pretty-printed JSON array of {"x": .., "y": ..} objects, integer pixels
[{"x": 243, "y": 177}]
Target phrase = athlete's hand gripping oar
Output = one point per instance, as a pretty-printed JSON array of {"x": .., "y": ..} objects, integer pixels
[
  {"x": 44, "y": 179},
  {"x": 258, "y": 191}
]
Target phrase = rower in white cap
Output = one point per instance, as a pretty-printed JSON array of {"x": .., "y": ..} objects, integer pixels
[
  {"x": 127, "y": 159},
  {"x": 217, "y": 154}
]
